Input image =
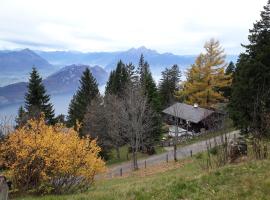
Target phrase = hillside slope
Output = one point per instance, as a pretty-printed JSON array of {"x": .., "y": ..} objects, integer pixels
[{"x": 250, "y": 180}]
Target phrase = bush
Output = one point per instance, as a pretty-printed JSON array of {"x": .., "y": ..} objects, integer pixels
[{"x": 50, "y": 159}]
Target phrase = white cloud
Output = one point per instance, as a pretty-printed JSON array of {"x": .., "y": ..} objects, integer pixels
[{"x": 177, "y": 26}]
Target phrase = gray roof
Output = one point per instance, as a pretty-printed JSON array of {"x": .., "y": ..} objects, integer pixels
[{"x": 188, "y": 112}]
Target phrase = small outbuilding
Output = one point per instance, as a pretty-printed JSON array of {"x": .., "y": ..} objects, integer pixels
[{"x": 192, "y": 117}]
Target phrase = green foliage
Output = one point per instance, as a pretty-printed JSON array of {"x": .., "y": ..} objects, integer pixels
[
  {"x": 21, "y": 118},
  {"x": 117, "y": 80},
  {"x": 249, "y": 104},
  {"x": 36, "y": 101},
  {"x": 150, "y": 90},
  {"x": 168, "y": 85},
  {"x": 230, "y": 70},
  {"x": 87, "y": 91}
]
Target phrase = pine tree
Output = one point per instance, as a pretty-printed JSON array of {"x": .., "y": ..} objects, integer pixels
[
  {"x": 21, "y": 118},
  {"x": 87, "y": 91},
  {"x": 227, "y": 90},
  {"x": 250, "y": 100},
  {"x": 117, "y": 80},
  {"x": 230, "y": 69},
  {"x": 36, "y": 99},
  {"x": 149, "y": 88},
  {"x": 168, "y": 85},
  {"x": 206, "y": 77},
  {"x": 132, "y": 75}
]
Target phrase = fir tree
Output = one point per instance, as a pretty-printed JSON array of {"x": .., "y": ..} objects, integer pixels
[
  {"x": 168, "y": 85},
  {"x": 117, "y": 80},
  {"x": 227, "y": 90},
  {"x": 132, "y": 75},
  {"x": 249, "y": 104},
  {"x": 36, "y": 99},
  {"x": 230, "y": 69},
  {"x": 87, "y": 91},
  {"x": 149, "y": 88},
  {"x": 21, "y": 118}
]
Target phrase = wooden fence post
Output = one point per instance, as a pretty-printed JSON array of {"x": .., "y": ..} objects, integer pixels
[
  {"x": 121, "y": 171},
  {"x": 145, "y": 164},
  {"x": 167, "y": 158}
]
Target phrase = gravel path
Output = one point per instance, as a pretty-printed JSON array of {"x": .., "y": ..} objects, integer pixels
[{"x": 182, "y": 152}]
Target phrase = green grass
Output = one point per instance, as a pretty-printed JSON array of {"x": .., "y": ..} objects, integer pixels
[
  {"x": 113, "y": 160},
  {"x": 249, "y": 180}
]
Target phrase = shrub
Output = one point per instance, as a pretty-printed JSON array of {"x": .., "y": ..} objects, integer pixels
[{"x": 50, "y": 159}]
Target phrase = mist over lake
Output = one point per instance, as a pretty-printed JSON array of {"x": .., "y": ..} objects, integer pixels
[{"x": 60, "y": 105}]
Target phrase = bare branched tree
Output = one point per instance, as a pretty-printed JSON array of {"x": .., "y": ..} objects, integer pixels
[
  {"x": 136, "y": 117},
  {"x": 95, "y": 125},
  {"x": 6, "y": 125},
  {"x": 112, "y": 108},
  {"x": 177, "y": 123}
]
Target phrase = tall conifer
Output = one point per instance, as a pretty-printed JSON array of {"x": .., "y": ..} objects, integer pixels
[
  {"x": 87, "y": 91},
  {"x": 250, "y": 101},
  {"x": 36, "y": 99}
]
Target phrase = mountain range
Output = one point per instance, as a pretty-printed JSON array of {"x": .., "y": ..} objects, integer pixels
[
  {"x": 65, "y": 81},
  {"x": 108, "y": 60},
  {"x": 61, "y": 70},
  {"x": 16, "y": 65}
]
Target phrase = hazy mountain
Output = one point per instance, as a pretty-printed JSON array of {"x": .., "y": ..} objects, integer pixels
[
  {"x": 65, "y": 81},
  {"x": 108, "y": 60},
  {"x": 156, "y": 60},
  {"x": 16, "y": 65},
  {"x": 70, "y": 57}
]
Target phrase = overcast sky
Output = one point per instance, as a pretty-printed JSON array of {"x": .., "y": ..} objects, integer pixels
[{"x": 177, "y": 26}]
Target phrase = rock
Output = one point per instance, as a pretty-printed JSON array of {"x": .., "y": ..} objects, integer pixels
[{"x": 237, "y": 148}]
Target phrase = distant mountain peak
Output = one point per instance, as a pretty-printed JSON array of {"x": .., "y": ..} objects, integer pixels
[
  {"x": 142, "y": 50},
  {"x": 28, "y": 51}
]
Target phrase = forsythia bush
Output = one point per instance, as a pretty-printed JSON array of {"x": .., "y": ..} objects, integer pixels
[{"x": 50, "y": 159}]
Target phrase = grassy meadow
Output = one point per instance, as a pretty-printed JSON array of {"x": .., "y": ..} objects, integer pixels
[{"x": 183, "y": 180}]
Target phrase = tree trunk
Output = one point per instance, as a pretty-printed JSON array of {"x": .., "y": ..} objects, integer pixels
[
  {"x": 134, "y": 158},
  {"x": 175, "y": 152}
]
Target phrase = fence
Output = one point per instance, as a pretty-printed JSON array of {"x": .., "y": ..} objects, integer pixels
[
  {"x": 183, "y": 152},
  {"x": 148, "y": 163}
]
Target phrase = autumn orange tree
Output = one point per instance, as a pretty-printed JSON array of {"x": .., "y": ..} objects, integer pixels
[
  {"x": 50, "y": 159},
  {"x": 206, "y": 77}
]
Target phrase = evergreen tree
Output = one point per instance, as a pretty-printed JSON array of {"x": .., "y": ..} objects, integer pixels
[
  {"x": 132, "y": 75},
  {"x": 36, "y": 99},
  {"x": 87, "y": 91},
  {"x": 249, "y": 104},
  {"x": 149, "y": 88},
  {"x": 168, "y": 85},
  {"x": 227, "y": 90},
  {"x": 230, "y": 69},
  {"x": 21, "y": 118},
  {"x": 117, "y": 80},
  {"x": 206, "y": 77}
]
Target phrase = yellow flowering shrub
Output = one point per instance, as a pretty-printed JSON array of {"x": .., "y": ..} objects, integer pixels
[{"x": 50, "y": 159}]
